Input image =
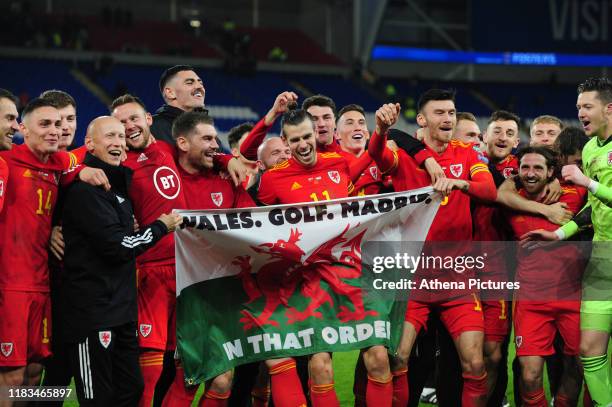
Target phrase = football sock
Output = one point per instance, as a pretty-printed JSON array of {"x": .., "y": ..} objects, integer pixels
[
  {"x": 214, "y": 399},
  {"x": 151, "y": 364},
  {"x": 597, "y": 377},
  {"x": 286, "y": 386},
  {"x": 379, "y": 392},
  {"x": 323, "y": 395},
  {"x": 535, "y": 398},
  {"x": 400, "y": 388},
  {"x": 474, "y": 390}
]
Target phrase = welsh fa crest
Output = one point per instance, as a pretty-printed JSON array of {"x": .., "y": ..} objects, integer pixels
[
  {"x": 217, "y": 198},
  {"x": 519, "y": 341},
  {"x": 507, "y": 172},
  {"x": 334, "y": 176},
  {"x": 145, "y": 330},
  {"x": 6, "y": 348},
  {"x": 456, "y": 170},
  {"x": 105, "y": 338},
  {"x": 374, "y": 172}
]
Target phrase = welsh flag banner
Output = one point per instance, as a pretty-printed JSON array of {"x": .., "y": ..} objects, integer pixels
[{"x": 288, "y": 280}]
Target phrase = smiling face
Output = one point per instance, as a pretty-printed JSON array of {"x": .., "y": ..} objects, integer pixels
[
  {"x": 501, "y": 137},
  {"x": 439, "y": 119},
  {"x": 593, "y": 114},
  {"x": 136, "y": 122},
  {"x": 273, "y": 151},
  {"x": 353, "y": 132},
  {"x": 41, "y": 130},
  {"x": 8, "y": 123},
  {"x": 106, "y": 140},
  {"x": 185, "y": 91},
  {"x": 534, "y": 173},
  {"x": 302, "y": 142},
  {"x": 199, "y": 147},
  {"x": 324, "y": 123}
]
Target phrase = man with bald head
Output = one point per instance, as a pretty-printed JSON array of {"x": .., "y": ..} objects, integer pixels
[{"x": 98, "y": 288}]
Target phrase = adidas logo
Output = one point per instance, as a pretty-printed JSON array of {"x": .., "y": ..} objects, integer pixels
[
  {"x": 121, "y": 200},
  {"x": 27, "y": 174},
  {"x": 295, "y": 186},
  {"x": 142, "y": 157}
]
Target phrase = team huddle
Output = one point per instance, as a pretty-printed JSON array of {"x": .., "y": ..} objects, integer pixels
[{"x": 96, "y": 225}]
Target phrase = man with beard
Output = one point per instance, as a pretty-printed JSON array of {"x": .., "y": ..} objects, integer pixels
[
  {"x": 468, "y": 177},
  {"x": 155, "y": 189},
  {"x": 182, "y": 91},
  {"x": 548, "y": 301},
  {"x": 205, "y": 188},
  {"x": 594, "y": 106},
  {"x": 8, "y": 127},
  {"x": 313, "y": 176}
]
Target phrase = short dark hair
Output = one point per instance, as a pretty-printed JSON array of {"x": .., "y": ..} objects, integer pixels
[
  {"x": 504, "y": 115},
  {"x": 603, "y": 87},
  {"x": 319, "y": 100},
  {"x": 34, "y": 104},
  {"x": 187, "y": 122},
  {"x": 549, "y": 155},
  {"x": 8, "y": 95},
  {"x": 350, "y": 108},
  {"x": 170, "y": 73},
  {"x": 293, "y": 118},
  {"x": 124, "y": 100},
  {"x": 60, "y": 98},
  {"x": 435, "y": 94},
  {"x": 235, "y": 133},
  {"x": 466, "y": 116},
  {"x": 570, "y": 141}
]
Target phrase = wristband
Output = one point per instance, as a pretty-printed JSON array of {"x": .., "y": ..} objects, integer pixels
[
  {"x": 560, "y": 234},
  {"x": 567, "y": 230},
  {"x": 593, "y": 185}
]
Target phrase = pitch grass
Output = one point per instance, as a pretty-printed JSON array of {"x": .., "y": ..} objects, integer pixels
[{"x": 344, "y": 370}]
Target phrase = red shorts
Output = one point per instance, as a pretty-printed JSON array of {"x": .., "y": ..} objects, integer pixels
[
  {"x": 25, "y": 327},
  {"x": 535, "y": 325},
  {"x": 496, "y": 326},
  {"x": 458, "y": 316},
  {"x": 156, "y": 307}
]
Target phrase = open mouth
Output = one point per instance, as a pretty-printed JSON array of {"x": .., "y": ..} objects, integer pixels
[
  {"x": 357, "y": 136},
  {"x": 305, "y": 155},
  {"x": 531, "y": 181},
  {"x": 115, "y": 153},
  {"x": 198, "y": 93},
  {"x": 446, "y": 128},
  {"x": 585, "y": 124},
  {"x": 135, "y": 135},
  {"x": 501, "y": 145}
]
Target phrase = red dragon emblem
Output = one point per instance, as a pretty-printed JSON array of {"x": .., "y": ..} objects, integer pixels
[{"x": 278, "y": 279}]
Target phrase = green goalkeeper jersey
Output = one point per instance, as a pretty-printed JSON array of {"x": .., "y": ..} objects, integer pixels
[{"x": 597, "y": 163}]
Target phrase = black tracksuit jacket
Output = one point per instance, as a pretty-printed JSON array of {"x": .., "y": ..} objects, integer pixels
[{"x": 98, "y": 287}]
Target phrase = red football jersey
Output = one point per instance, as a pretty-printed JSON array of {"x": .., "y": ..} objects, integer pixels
[
  {"x": 25, "y": 222},
  {"x": 156, "y": 189},
  {"x": 291, "y": 182},
  {"x": 453, "y": 222},
  {"x": 4, "y": 172},
  {"x": 207, "y": 190},
  {"x": 549, "y": 270},
  {"x": 489, "y": 219},
  {"x": 370, "y": 182},
  {"x": 332, "y": 147}
]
